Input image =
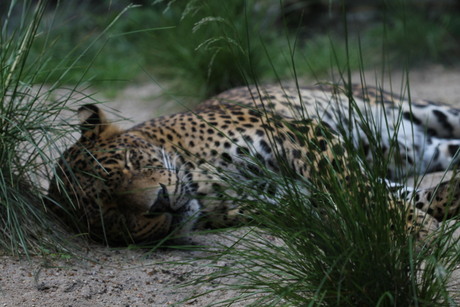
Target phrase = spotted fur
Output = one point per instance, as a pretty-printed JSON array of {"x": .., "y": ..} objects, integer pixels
[{"x": 164, "y": 175}]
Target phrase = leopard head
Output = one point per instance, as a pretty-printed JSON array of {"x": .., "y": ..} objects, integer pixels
[{"x": 119, "y": 176}]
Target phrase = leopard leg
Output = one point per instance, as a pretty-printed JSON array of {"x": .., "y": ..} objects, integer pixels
[
  {"x": 440, "y": 120},
  {"x": 441, "y": 154},
  {"x": 149, "y": 227},
  {"x": 441, "y": 201},
  {"x": 114, "y": 227},
  {"x": 144, "y": 228},
  {"x": 419, "y": 220},
  {"x": 221, "y": 214},
  {"x": 421, "y": 224}
]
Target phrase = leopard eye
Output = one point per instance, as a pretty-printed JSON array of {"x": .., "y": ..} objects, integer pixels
[{"x": 128, "y": 163}]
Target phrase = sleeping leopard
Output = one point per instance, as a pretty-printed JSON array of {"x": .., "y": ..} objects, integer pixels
[{"x": 165, "y": 175}]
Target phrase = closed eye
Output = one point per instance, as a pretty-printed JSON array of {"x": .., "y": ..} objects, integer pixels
[
  {"x": 169, "y": 164},
  {"x": 128, "y": 163}
]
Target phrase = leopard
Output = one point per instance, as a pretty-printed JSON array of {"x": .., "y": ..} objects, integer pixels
[{"x": 166, "y": 176}]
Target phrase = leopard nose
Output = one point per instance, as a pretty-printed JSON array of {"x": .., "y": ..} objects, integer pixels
[{"x": 162, "y": 203}]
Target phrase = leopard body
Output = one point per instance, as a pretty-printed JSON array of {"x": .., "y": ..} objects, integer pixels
[{"x": 165, "y": 175}]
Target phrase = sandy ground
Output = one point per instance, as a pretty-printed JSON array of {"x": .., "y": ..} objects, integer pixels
[{"x": 114, "y": 277}]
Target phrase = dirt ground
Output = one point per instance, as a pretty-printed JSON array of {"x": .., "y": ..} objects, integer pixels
[{"x": 121, "y": 277}]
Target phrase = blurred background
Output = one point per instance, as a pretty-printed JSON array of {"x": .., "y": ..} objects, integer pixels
[{"x": 200, "y": 48}]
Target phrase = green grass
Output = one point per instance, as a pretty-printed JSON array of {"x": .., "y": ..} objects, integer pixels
[
  {"x": 23, "y": 132},
  {"x": 31, "y": 134},
  {"x": 201, "y": 48},
  {"x": 80, "y": 45},
  {"x": 419, "y": 35}
]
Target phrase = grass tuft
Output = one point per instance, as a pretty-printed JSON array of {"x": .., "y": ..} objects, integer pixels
[
  {"x": 330, "y": 241},
  {"x": 31, "y": 136}
]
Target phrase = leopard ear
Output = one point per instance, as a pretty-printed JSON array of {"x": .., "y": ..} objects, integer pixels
[{"x": 93, "y": 122}]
